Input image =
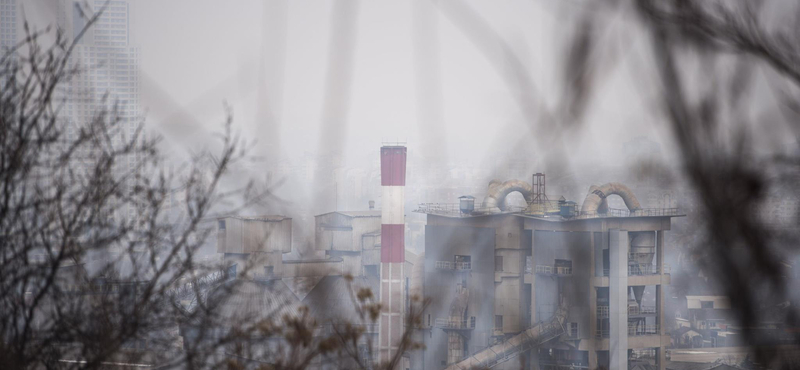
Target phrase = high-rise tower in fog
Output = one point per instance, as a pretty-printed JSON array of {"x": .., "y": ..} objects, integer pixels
[
  {"x": 8, "y": 24},
  {"x": 109, "y": 64}
]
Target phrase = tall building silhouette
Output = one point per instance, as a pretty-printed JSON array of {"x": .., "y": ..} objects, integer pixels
[
  {"x": 8, "y": 24},
  {"x": 108, "y": 62}
]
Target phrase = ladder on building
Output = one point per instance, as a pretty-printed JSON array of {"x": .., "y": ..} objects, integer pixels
[{"x": 511, "y": 348}]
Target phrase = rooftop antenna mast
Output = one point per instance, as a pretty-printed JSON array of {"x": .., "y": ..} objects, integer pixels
[{"x": 539, "y": 189}]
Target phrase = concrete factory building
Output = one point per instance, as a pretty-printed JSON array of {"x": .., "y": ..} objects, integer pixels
[
  {"x": 567, "y": 288},
  {"x": 554, "y": 284}
]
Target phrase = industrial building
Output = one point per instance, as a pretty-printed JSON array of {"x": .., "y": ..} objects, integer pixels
[
  {"x": 555, "y": 285},
  {"x": 551, "y": 284}
]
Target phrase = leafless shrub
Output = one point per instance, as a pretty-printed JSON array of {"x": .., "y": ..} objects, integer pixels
[{"x": 98, "y": 267}]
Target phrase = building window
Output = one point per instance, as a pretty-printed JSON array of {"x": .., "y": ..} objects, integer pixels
[
  {"x": 573, "y": 330},
  {"x": 472, "y": 322},
  {"x": 222, "y": 224},
  {"x": 498, "y": 263},
  {"x": 498, "y": 322},
  {"x": 706, "y": 304}
]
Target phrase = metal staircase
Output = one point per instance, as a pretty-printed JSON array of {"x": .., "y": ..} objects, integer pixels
[{"x": 511, "y": 348}]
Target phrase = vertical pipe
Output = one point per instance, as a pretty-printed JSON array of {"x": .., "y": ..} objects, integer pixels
[
  {"x": 593, "y": 295},
  {"x": 618, "y": 299},
  {"x": 660, "y": 300},
  {"x": 393, "y": 181}
]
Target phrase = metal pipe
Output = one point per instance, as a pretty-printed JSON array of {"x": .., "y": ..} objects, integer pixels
[
  {"x": 495, "y": 200},
  {"x": 529, "y": 338},
  {"x": 595, "y": 201}
]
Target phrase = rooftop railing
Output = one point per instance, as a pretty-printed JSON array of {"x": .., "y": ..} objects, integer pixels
[
  {"x": 602, "y": 311},
  {"x": 633, "y": 331},
  {"x": 644, "y": 310},
  {"x": 454, "y": 210},
  {"x": 638, "y": 330},
  {"x": 553, "y": 270},
  {"x": 642, "y": 270},
  {"x": 453, "y": 266},
  {"x": 642, "y": 212},
  {"x": 454, "y": 324}
]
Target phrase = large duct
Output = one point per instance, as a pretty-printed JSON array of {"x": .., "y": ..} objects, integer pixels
[
  {"x": 495, "y": 200},
  {"x": 531, "y": 337},
  {"x": 455, "y": 341},
  {"x": 595, "y": 201}
]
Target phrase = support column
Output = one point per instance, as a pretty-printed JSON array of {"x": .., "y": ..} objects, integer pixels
[
  {"x": 664, "y": 340},
  {"x": 534, "y": 320},
  {"x": 593, "y": 299},
  {"x": 618, "y": 299},
  {"x": 592, "y": 359},
  {"x": 660, "y": 251},
  {"x": 392, "y": 287}
]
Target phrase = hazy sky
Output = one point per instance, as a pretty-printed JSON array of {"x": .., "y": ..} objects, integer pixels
[
  {"x": 203, "y": 52},
  {"x": 269, "y": 60}
]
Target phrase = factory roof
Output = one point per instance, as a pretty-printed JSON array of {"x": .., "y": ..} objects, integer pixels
[
  {"x": 355, "y": 214},
  {"x": 268, "y": 218},
  {"x": 452, "y": 211}
]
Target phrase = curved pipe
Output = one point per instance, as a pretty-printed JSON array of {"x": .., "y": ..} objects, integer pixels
[
  {"x": 495, "y": 200},
  {"x": 595, "y": 201}
]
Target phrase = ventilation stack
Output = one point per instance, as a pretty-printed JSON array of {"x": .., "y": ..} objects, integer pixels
[{"x": 393, "y": 181}]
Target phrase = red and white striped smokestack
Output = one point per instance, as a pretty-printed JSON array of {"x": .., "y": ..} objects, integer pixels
[{"x": 392, "y": 288}]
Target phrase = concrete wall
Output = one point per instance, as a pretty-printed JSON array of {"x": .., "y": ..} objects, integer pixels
[
  {"x": 333, "y": 231},
  {"x": 509, "y": 297},
  {"x": 575, "y": 247},
  {"x": 443, "y": 243}
]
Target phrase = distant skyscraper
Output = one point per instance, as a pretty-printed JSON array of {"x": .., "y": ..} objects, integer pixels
[
  {"x": 109, "y": 64},
  {"x": 8, "y": 24}
]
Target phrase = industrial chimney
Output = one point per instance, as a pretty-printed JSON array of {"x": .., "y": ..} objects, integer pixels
[{"x": 392, "y": 289}]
